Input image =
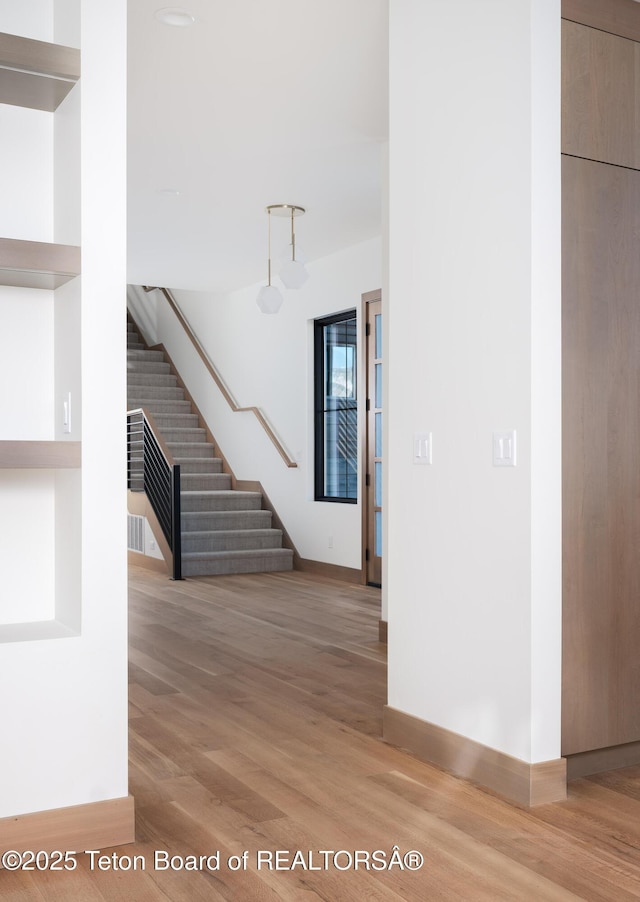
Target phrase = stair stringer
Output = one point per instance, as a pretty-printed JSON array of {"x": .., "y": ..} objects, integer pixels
[{"x": 139, "y": 504}]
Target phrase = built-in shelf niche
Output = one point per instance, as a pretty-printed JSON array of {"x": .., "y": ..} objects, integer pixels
[
  {"x": 36, "y": 74},
  {"x": 37, "y": 264}
]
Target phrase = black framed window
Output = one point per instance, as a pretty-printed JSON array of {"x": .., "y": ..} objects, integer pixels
[{"x": 336, "y": 408}]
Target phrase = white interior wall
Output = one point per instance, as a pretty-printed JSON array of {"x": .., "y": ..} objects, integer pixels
[
  {"x": 66, "y": 154},
  {"x": 67, "y": 385},
  {"x": 474, "y": 299},
  {"x": 267, "y": 361},
  {"x": 144, "y": 307},
  {"x": 75, "y": 750},
  {"x": 26, "y": 535},
  {"x": 67, "y": 18},
  {"x": 151, "y": 548},
  {"x": 26, "y": 173},
  {"x": 67, "y": 230},
  {"x": 31, "y": 19},
  {"x": 26, "y": 212},
  {"x": 26, "y": 355},
  {"x": 103, "y": 345}
]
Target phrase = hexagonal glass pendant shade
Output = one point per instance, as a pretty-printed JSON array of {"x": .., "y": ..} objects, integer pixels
[
  {"x": 269, "y": 299},
  {"x": 294, "y": 274}
]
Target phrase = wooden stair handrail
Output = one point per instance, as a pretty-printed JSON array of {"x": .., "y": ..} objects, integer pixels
[{"x": 217, "y": 378}]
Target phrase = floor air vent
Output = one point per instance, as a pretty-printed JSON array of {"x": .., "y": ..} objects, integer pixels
[{"x": 135, "y": 533}]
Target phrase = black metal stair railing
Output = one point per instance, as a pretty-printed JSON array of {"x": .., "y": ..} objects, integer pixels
[{"x": 151, "y": 471}]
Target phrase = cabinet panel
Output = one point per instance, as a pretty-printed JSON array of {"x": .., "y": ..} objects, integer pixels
[
  {"x": 615, "y": 16},
  {"x": 601, "y": 454},
  {"x": 600, "y": 95}
]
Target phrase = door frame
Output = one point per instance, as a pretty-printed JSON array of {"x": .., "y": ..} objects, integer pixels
[{"x": 369, "y": 297}]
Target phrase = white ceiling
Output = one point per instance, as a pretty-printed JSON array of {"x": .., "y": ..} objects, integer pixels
[{"x": 259, "y": 102}]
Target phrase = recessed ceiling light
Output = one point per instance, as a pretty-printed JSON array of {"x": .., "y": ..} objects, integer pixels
[
  {"x": 169, "y": 192},
  {"x": 174, "y": 16}
]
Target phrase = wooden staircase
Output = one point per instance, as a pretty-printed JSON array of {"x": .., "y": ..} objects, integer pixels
[{"x": 224, "y": 530}]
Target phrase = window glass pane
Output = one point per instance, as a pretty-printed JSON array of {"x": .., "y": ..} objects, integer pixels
[
  {"x": 378, "y": 487},
  {"x": 378, "y": 451},
  {"x": 340, "y": 345},
  {"x": 341, "y": 451},
  {"x": 378, "y": 534},
  {"x": 378, "y": 385},
  {"x": 336, "y": 409},
  {"x": 378, "y": 319},
  {"x": 340, "y": 372}
]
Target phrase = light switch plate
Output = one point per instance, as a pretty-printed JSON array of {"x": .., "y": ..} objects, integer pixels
[
  {"x": 422, "y": 448},
  {"x": 504, "y": 449},
  {"x": 66, "y": 414}
]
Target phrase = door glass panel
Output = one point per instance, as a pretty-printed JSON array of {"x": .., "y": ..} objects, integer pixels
[
  {"x": 378, "y": 534},
  {"x": 374, "y": 492}
]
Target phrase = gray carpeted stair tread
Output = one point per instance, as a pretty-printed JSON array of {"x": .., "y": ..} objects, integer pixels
[
  {"x": 143, "y": 393},
  {"x": 190, "y": 449},
  {"x": 147, "y": 366},
  {"x": 230, "y": 540},
  {"x": 176, "y": 420},
  {"x": 226, "y": 499},
  {"x": 156, "y": 405},
  {"x": 223, "y": 563},
  {"x": 204, "y": 482},
  {"x": 199, "y": 464},
  {"x": 137, "y": 380},
  {"x": 199, "y": 521},
  {"x": 253, "y": 552},
  {"x": 145, "y": 355},
  {"x": 183, "y": 434}
]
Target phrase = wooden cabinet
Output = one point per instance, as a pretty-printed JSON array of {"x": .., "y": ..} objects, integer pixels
[
  {"x": 600, "y": 96},
  {"x": 601, "y": 384},
  {"x": 601, "y": 455}
]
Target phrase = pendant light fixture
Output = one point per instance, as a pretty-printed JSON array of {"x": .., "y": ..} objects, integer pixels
[
  {"x": 269, "y": 298},
  {"x": 293, "y": 274}
]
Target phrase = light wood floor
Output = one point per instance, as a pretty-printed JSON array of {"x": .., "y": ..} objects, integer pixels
[{"x": 255, "y": 725}]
